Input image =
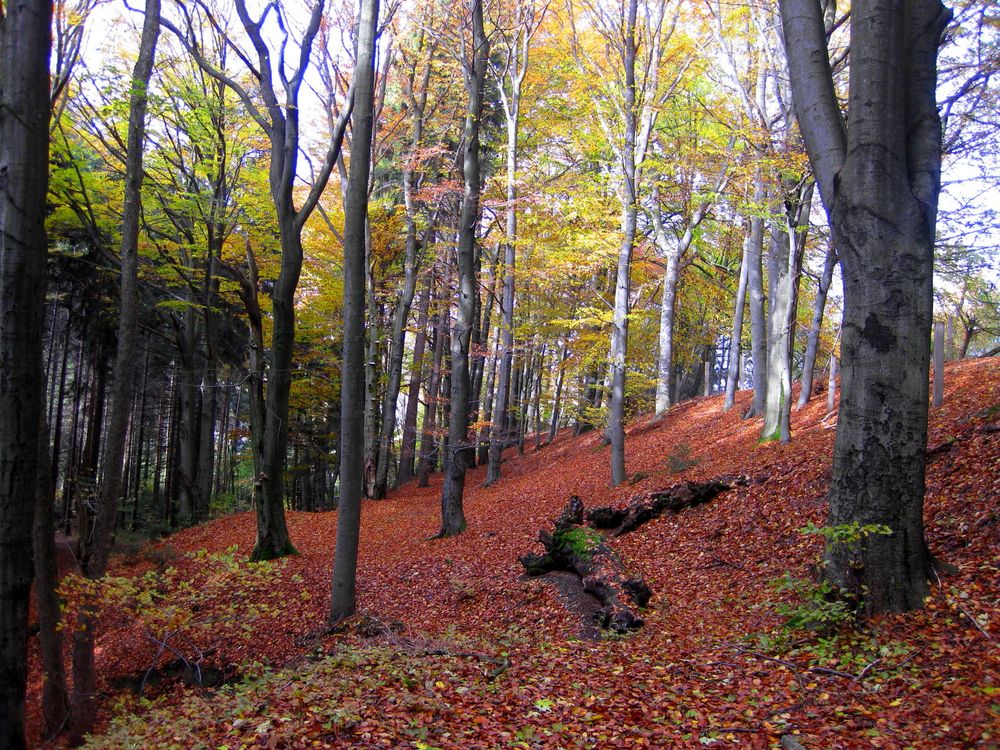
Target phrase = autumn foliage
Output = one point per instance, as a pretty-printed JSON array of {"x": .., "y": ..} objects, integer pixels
[{"x": 456, "y": 648}]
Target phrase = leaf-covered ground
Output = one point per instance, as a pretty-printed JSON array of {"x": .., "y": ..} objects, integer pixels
[{"x": 455, "y": 648}]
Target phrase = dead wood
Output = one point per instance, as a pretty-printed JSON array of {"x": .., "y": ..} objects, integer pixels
[
  {"x": 649, "y": 505},
  {"x": 574, "y": 547}
]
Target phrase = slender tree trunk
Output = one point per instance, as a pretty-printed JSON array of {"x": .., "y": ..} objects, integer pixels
[
  {"x": 372, "y": 361},
  {"x": 938, "y": 364},
  {"x": 457, "y": 461},
  {"x": 736, "y": 347},
  {"x": 408, "y": 450},
  {"x": 787, "y": 250},
  {"x": 427, "y": 438},
  {"x": 758, "y": 316},
  {"x": 398, "y": 340},
  {"x": 97, "y": 549},
  {"x": 831, "y": 391},
  {"x": 816, "y": 326},
  {"x": 629, "y": 197},
  {"x": 344, "y": 581}
]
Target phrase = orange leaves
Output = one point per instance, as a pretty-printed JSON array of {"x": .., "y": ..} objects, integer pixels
[{"x": 679, "y": 683}]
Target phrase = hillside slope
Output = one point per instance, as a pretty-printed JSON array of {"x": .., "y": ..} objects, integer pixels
[{"x": 457, "y": 649}]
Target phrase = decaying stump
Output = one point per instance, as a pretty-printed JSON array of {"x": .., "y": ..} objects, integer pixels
[
  {"x": 647, "y": 506},
  {"x": 582, "y": 550}
]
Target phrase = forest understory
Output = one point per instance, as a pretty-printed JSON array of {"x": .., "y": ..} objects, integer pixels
[{"x": 455, "y": 647}]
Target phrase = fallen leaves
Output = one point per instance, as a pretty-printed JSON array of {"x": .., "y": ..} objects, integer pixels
[{"x": 676, "y": 683}]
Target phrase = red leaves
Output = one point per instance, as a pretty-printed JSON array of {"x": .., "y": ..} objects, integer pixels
[{"x": 678, "y": 682}]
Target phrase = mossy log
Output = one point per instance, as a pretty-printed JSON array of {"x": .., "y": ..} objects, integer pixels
[{"x": 574, "y": 547}]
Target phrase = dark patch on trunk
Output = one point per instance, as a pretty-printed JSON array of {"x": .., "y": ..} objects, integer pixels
[{"x": 879, "y": 337}]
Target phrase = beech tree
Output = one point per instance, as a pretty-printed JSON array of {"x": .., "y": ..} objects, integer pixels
[
  {"x": 352, "y": 382},
  {"x": 279, "y": 85},
  {"x": 879, "y": 179},
  {"x": 459, "y": 447},
  {"x": 24, "y": 151}
]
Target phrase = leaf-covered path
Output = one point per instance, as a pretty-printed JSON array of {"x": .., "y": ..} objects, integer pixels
[{"x": 456, "y": 648}]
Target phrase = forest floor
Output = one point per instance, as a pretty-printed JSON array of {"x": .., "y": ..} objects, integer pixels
[{"x": 455, "y": 647}]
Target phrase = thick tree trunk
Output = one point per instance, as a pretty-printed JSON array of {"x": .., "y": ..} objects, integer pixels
[
  {"x": 457, "y": 461},
  {"x": 638, "y": 510},
  {"x": 343, "y": 597},
  {"x": 24, "y": 146},
  {"x": 55, "y": 699},
  {"x": 879, "y": 180}
]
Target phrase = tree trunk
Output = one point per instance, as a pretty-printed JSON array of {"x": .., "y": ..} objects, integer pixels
[
  {"x": 456, "y": 462},
  {"x": 665, "y": 359},
  {"x": 428, "y": 438},
  {"x": 55, "y": 699},
  {"x": 816, "y": 326},
  {"x": 758, "y": 316},
  {"x": 736, "y": 346},
  {"x": 343, "y": 597},
  {"x": 629, "y": 198},
  {"x": 938, "y": 363},
  {"x": 97, "y": 548},
  {"x": 24, "y": 147},
  {"x": 879, "y": 180},
  {"x": 557, "y": 404},
  {"x": 408, "y": 450},
  {"x": 788, "y": 247}
]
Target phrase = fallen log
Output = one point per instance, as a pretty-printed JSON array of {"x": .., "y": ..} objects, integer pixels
[
  {"x": 584, "y": 551},
  {"x": 647, "y": 506}
]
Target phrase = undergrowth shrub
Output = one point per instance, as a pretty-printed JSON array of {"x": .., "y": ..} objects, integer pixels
[{"x": 184, "y": 611}]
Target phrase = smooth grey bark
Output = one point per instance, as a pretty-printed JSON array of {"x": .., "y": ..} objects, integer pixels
[
  {"x": 373, "y": 362},
  {"x": 629, "y": 201},
  {"x": 736, "y": 346},
  {"x": 673, "y": 250},
  {"x": 560, "y": 365},
  {"x": 456, "y": 459},
  {"x": 879, "y": 180},
  {"x": 345, "y": 563},
  {"x": 510, "y": 80},
  {"x": 96, "y": 547},
  {"x": 24, "y": 149},
  {"x": 489, "y": 393},
  {"x": 831, "y": 388},
  {"x": 787, "y": 250},
  {"x": 816, "y": 326},
  {"x": 758, "y": 314}
]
